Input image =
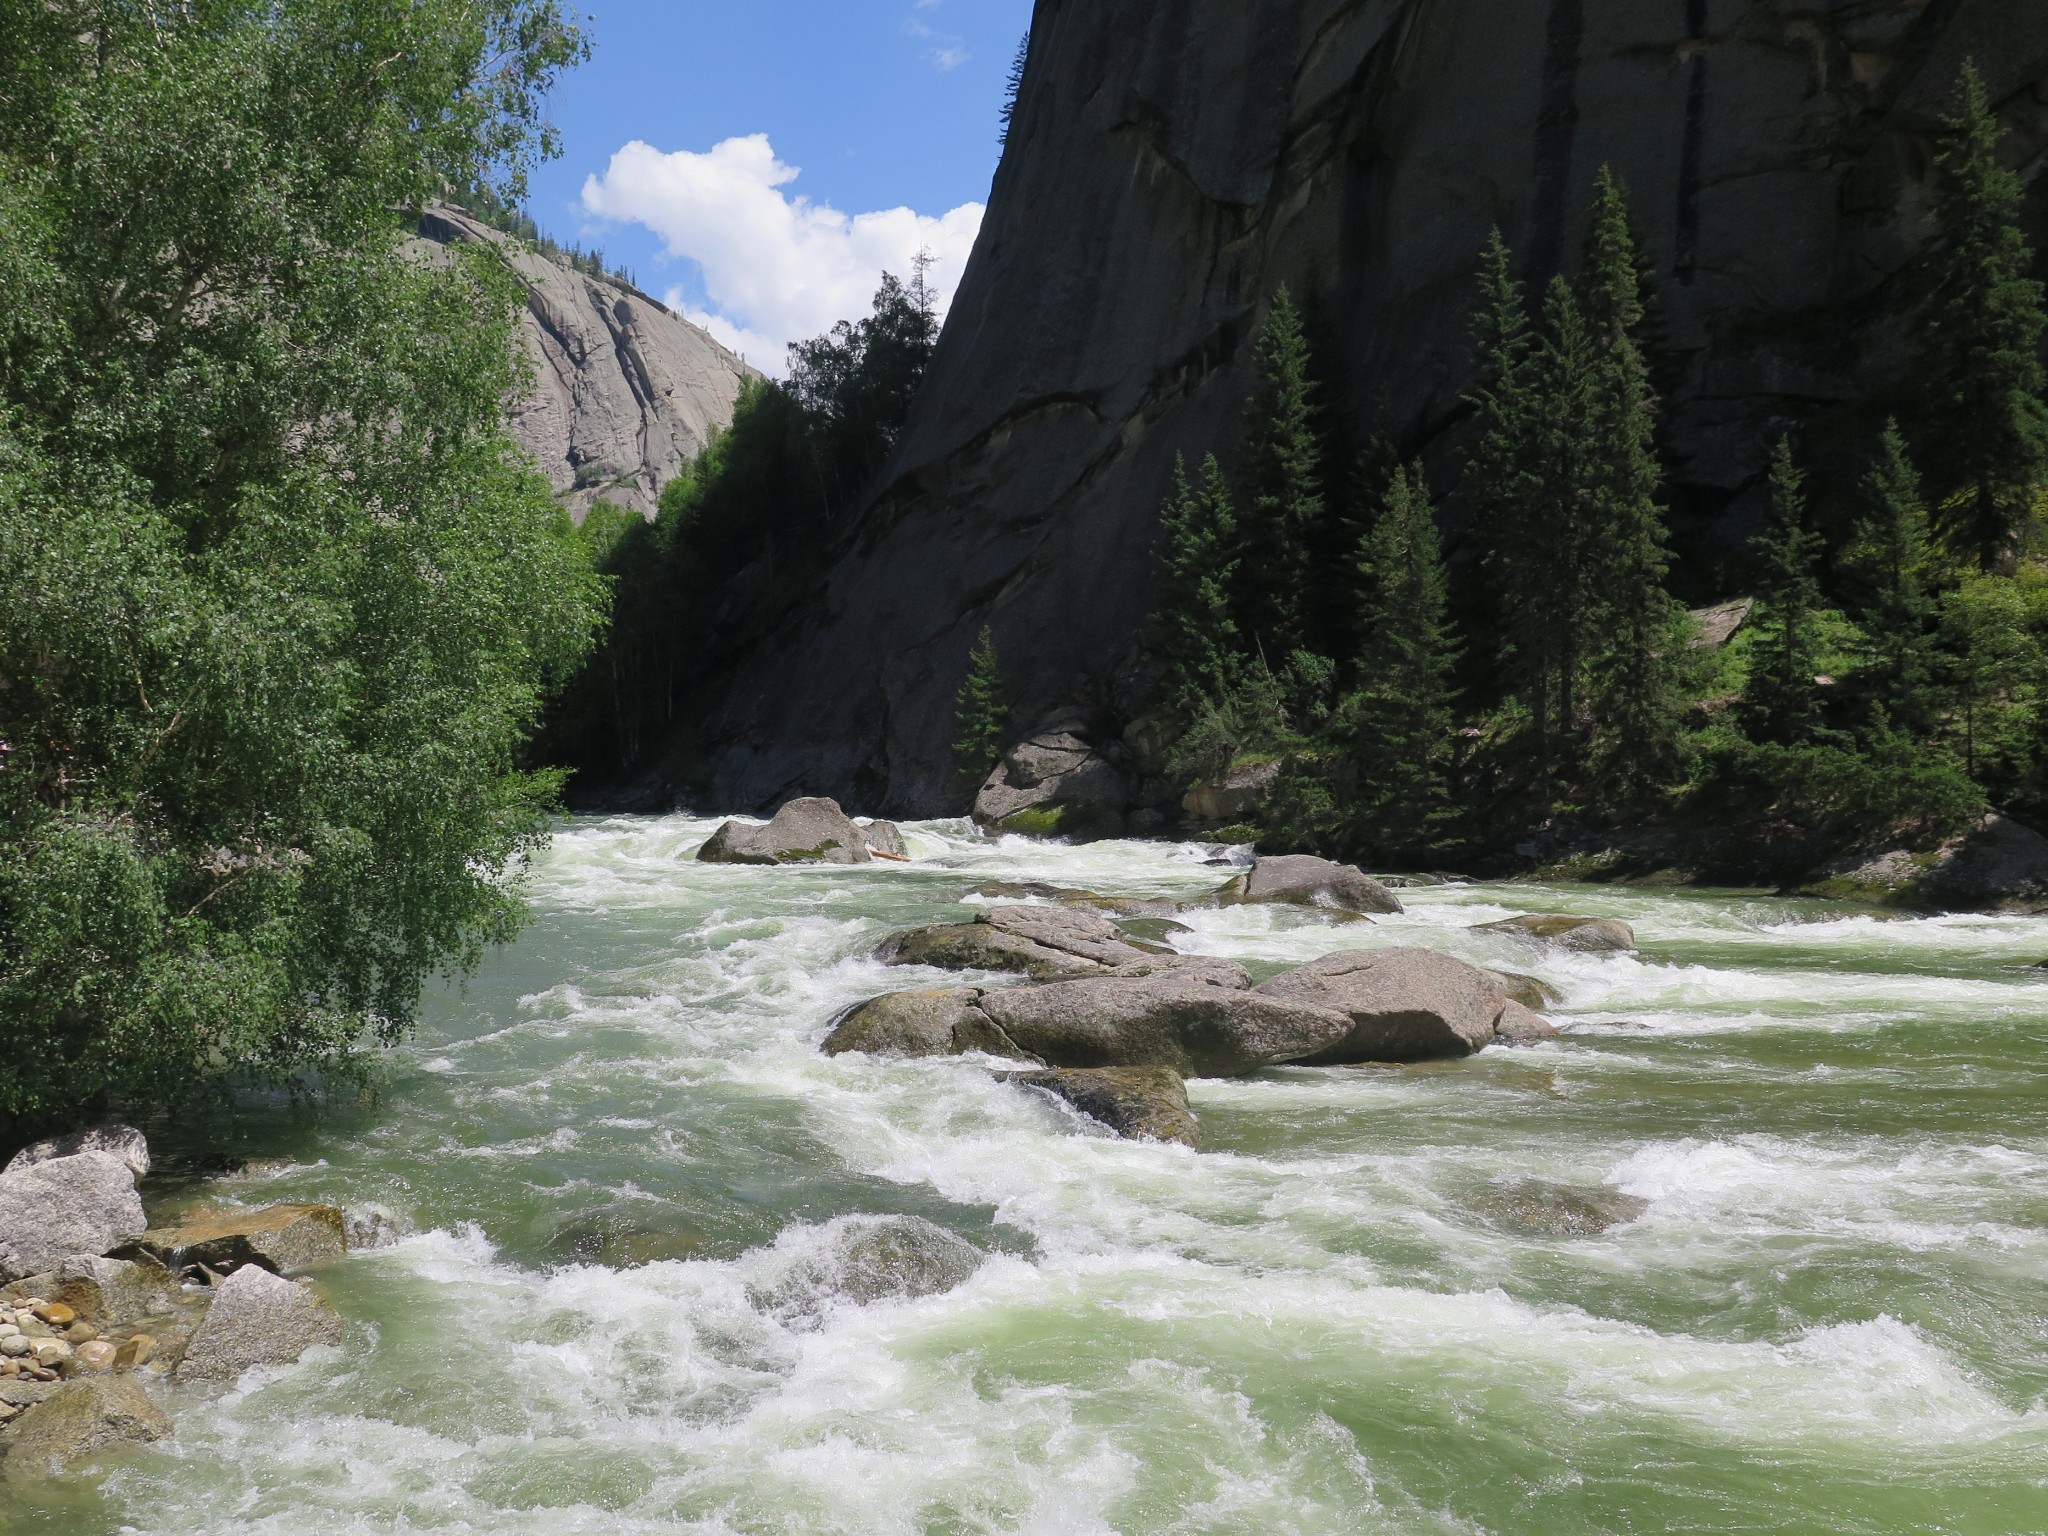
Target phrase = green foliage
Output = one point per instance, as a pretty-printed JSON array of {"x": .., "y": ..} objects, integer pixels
[
  {"x": 1783, "y": 697},
  {"x": 1246, "y": 722},
  {"x": 1013, "y": 87},
  {"x": 1397, "y": 725},
  {"x": 277, "y": 604},
  {"x": 1888, "y": 789},
  {"x": 1891, "y": 566},
  {"x": 981, "y": 712},
  {"x": 855, "y": 383},
  {"x": 1284, "y": 506},
  {"x": 1984, "y": 427},
  {"x": 1194, "y": 638}
]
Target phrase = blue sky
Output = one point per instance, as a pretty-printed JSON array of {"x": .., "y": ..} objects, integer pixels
[{"x": 759, "y": 162}]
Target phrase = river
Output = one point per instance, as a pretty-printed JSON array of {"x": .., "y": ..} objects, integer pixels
[{"x": 1357, "y": 1309}]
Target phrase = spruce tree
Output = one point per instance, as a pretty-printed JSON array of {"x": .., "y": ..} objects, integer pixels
[
  {"x": 1985, "y": 428},
  {"x": 1892, "y": 565},
  {"x": 1194, "y": 637},
  {"x": 1637, "y": 634},
  {"x": 1399, "y": 721},
  {"x": 1782, "y": 699},
  {"x": 981, "y": 712},
  {"x": 1284, "y": 503}
]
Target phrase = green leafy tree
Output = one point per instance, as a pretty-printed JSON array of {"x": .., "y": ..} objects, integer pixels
[
  {"x": 1399, "y": 721},
  {"x": 1984, "y": 428},
  {"x": 1284, "y": 505},
  {"x": 1891, "y": 565},
  {"x": 278, "y": 602},
  {"x": 1783, "y": 699},
  {"x": 1194, "y": 636},
  {"x": 981, "y": 712}
]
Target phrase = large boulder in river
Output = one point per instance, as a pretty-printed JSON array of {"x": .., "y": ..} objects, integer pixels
[
  {"x": 85, "y": 1203},
  {"x": 1303, "y": 880},
  {"x": 1044, "y": 943},
  {"x": 1587, "y": 935},
  {"x": 1187, "y": 1021},
  {"x": 1138, "y": 1103},
  {"x": 79, "y": 1418},
  {"x": 280, "y": 1238},
  {"x": 807, "y": 831},
  {"x": 257, "y": 1318},
  {"x": 2000, "y": 865},
  {"x": 946, "y": 1021},
  {"x": 1399, "y": 1004},
  {"x": 1054, "y": 784},
  {"x": 121, "y": 1142},
  {"x": 885, "y": 840}
]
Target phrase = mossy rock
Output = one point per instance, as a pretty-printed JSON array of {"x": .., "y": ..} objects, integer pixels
[{"x": 1079, "y": 819}]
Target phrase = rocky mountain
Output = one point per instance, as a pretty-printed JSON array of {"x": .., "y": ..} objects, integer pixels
[
  {"x": 1169, "y": 164},
  {"x": 625, "y": 391}
]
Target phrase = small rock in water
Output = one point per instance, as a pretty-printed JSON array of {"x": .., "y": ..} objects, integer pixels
[
  {"x": 872, "y": 1258},
  {"x": 1561, "y": 1210},
  {"x": 1138, "y": 1103},
  {"x": 82, "y": 1417},
  {"x": 257, "y": 1319},
  {"x": 283, "y": 1238},
  {"x": 136, "y": 1350},
  {"x": 1521, "y": 1026},
  {"x": 1590, "y": 935},
  {"x": 1303, "y": 880}
]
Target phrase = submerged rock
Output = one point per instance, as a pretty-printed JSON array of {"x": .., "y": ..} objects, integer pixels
[
  {"x": 1148, "y": 907},
  {"x": 1138, "y": 1103},
  {"x": 257, "y": 1318},
  {"x": 867, "y": 1259},
  {"x": 84, "y": 1203},
  {"x": 1589, "y": 935},
  {"x": 1304, "y": 880},
  {"x": 1399, "y": 1004},
  {"x": 944, "y": 1022},
  {"x": 1184, "y": 1021},
  {"x": 282, "y": 1238},
  {"x": 807, "y": 831},
  {"x": 121, "y": 1142},
  {"x": 79, "y": 1418},
  {"x": 1039, "y": 942},
  {"x": 1560, "y": 1210},
  {"x": 1518, "y": 1025}
]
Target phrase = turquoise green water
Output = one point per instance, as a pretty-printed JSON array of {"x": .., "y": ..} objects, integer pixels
[{"x": 593, "y": 1165}]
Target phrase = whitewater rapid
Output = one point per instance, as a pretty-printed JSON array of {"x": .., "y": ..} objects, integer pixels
[{"x": 591, "y": 1165}]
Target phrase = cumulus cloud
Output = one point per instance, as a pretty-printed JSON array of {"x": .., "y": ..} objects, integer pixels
[{"x": 777, "y": 267}]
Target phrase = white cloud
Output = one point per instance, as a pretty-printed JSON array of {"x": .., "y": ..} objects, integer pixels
[{"x": 777, "y": 267}]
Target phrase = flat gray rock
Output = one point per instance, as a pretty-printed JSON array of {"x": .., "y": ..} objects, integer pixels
[
  {"x": 51, "y": 1211},
  {"x": 1044, "y": 943},
  {"x": 806, "y": 831},
  {"x": 257, "y": 1318},
  {"x": 118, "y": 1141},
  {"x": 1184, "y": 1022},
  {"x": 1303, "y": 880},
  {"x": 1402, "y": 1004}
]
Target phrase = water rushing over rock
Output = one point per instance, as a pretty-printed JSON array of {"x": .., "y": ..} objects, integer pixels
[{"x": 1756, "y": 1245}]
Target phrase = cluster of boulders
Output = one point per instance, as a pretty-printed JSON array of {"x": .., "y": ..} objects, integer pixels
[
  {"x": 95, "y": 1301},
  {"x": 1114, "y": 1022},
  {"x": 813, "y": 830}
]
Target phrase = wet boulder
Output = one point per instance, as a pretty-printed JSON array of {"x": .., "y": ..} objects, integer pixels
[
  {"x": 79, "y": 1418},
  {"x": 807, "y": 831},
  {"x": 1542, "y": 1209},
  {"x": 1147, "y": 907},
  {"x": 1054, "y": 784},
  {"x": 866, "y": 1259},
  {"x": 257, "y": 1318},
  {"x": 1138, "y": 1103},
  {"x": 885, "y": 840},
  {"x": 1399, "y": 1004},
  {"x": 1184, "y": 1021},
  {"x": 1518, "y": 1025},
  {"x": 1586, "y": 935},
  {"x": 1532, "y": 992},
  {"x": 51, "y": 1210},
  {"x": 1040, "y": 942},
  {"x": 121, "y": 1142},
  {"x": 280, "y": 1238},
  {"x": 1303, "y": 880},
  {"x": 944, "y": 1022}
]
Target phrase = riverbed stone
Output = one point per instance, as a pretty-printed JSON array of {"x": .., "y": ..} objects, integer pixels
[
  {"x": 257, "y": 1318},
  {"x": 1544, "y": 1209},
  {"x": 79, "y": 1418},
  {"x": 1401, "y": 1004},
  {"x": 282, "y": 1238},
  {"x": 83, "y": 1203},
  {"x": 1518, "y": 1025},
  {"x": 945, "y": 1021},
  {"x": 1138, "y": 1103},
  {"x": 1303, "y": 880},
  {"x": 114, "y": 1293},
  {"x": 121, "y": 1142},
  {"x": 1183, "y": 1021},
  {"x": 865, "y": 1259},
  {"x": 1586, "y": 935},
  {"x": 812, "y": 830}
]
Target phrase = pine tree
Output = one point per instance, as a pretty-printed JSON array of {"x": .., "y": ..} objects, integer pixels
[
  {"x": 1285, "y": 509},
  {"x": 1638, "y": 628},
  {"x": 1194, "y": 636},
  {"x": 1399, "y": 721},
  {"x": 1783, "y": 699},
  {"x": 981, "y": 712},
  {"x": 1985, "y": 428},
  {"x": 1892, "y": 565}
]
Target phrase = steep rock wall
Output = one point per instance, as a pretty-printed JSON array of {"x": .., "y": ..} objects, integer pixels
[
  {"x": 625, "y": 392},
  {"x": 1172, "y": 162}
]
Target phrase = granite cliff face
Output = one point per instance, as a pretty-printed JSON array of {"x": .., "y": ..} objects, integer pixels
[
  {"x": 1171, "y": 163},
  {"x": 625, "y": 392}
]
